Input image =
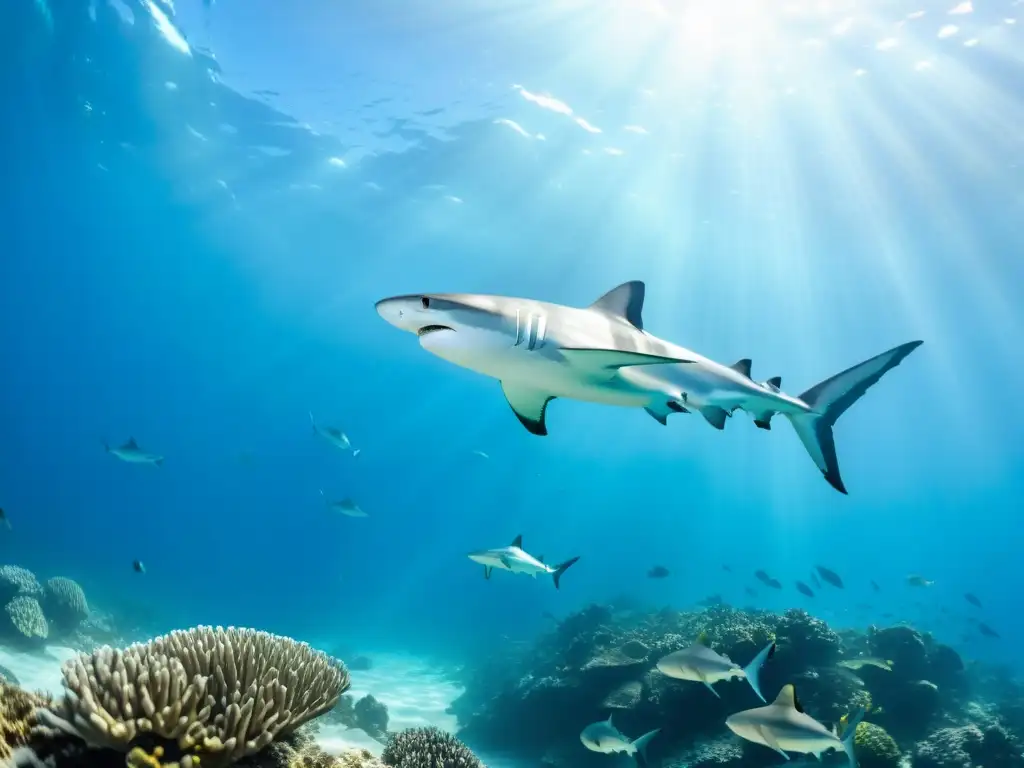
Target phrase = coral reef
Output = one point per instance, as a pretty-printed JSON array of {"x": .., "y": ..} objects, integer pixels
[
  {"x": 221, "y": 693},
  {"x": 875, "y": 748},
  {"x": 371, "y": 716},
  {"x": 427, "y": 748},
  {"x": 969, "y": 747},
  {"x": 15, "y": 580},
  {"x": 17, "y": 717},
  {"x": 26, "y": 616},
  {"x": 64, "y": 603}
]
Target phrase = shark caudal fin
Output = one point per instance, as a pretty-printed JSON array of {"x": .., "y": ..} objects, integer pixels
[
  {"x": 850, "y": 734},
  {"x": 640, "y": 746},
  {"x": 753, "y": 670},
  {"x": 830, "y": 399},
  {"x": 560, "y": 569}
]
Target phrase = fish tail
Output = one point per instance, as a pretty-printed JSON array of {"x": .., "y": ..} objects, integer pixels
[
  {"x": 850, "y": 734},
  {"x": 640, "y": 746},
  {"x": 159, "y": 462},
  {"x": 831, "y": 398},
  {"x": 559, "y": 570},
  {"x": 312, "y": 421},
  {"x": 753, "y": 669}
]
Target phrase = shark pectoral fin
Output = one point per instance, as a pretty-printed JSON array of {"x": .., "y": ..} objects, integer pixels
[
  {"x": 771, "y": 741},
  {"x": 607, "y": 360},
  {"x": 529, "y": 406},
  {"x": 625, "y": 301},
  {"x": 660, "y": 417},
  {"x": 711, "y": 688},
  {"x": 715, "y": 416}
]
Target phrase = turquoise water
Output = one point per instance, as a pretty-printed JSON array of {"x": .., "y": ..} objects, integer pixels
[{"x": 202, "y": 204}]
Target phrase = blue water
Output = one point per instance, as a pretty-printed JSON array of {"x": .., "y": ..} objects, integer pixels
[{"x": 202, "y": 204}]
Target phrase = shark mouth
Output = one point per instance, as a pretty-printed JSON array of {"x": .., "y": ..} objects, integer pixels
[{"x": 432, "y": 329}]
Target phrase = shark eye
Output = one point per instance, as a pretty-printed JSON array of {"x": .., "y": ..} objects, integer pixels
[{"x": 425, "y": 302}]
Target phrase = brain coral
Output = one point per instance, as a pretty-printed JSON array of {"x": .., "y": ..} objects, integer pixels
[
  {"x": 221, "y": 693},
  {"x": 27, "y": 617},
  {"x": 875, "y": 748},
  {"x": 15, "y": 580},
  {"x": 65, "y": 602},
  {"x": 427, "y": 748}
]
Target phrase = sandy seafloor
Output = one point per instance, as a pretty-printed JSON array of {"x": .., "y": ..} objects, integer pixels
[{"x": 415, "y": 694}]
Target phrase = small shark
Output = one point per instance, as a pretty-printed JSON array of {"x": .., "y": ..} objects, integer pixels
[
  {"x": 512, "y": 558},
  {"x": 131, "y": 453},
  {"x": 604, "y": 737},
  {"x": 784, "y": 727},
  {"x": 345, "y": 507},
  {"x": 602, "y": 354},
  {"x": 703, "y": 665},
  {"x": 333, "y": 435}
]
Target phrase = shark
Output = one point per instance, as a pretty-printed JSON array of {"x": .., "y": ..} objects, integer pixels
[
  {"x": 131, "y": 453},
  {"x": 513, "y": 559},
  {"x": 604, "y": 737},
  {"x": 703, "y": 665},
  {"x": 333, "y": 435},
  {"x": 602, "y": 354},
  {"x": 346, "y": 506},
  {"x": 785, "y": 727}
]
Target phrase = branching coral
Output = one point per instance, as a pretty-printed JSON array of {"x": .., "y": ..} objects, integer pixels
[
  {"x": 427, "y": 748},
  {"x": 221, "y": 693},
  {"x": 17, "y": 708},
  {"x": 27, "y": 617}
]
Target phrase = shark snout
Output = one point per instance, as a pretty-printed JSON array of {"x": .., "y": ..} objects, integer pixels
[{"x": 401, "y": 312}]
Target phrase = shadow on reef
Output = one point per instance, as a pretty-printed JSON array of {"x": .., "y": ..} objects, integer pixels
[
  {"x": 208, "y": 697},
  {"x": 600, "y": 661}
]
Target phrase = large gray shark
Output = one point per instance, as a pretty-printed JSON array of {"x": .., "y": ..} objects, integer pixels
[
  {"x": 602, "y": 354},
  {"x": 131, "y": 453},
  {"x": 784, "y": 727},
  {"x": 515, "y": 560}
]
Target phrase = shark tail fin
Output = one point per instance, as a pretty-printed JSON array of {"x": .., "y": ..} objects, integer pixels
[
  {"x": 850, "y": 734},
  {"x": 159, "y": 462},
  {"x": 560, "y": 569},
  {"x": 640, "y": 746},
  {"x": 753, "y": 670},
  {"x": 831, "y": 398}
]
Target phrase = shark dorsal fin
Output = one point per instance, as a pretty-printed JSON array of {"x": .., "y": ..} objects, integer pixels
[
  {"x": 131, "y": 443},
  {"x": 625, "y": 301},
  {"x": 775, "y": 381},
  {"x": 540, "y": 558},
  {"x": 609, "y": 720},
  {"x": 742, "y": 366},
  {"x": 787, "y": 698},
  {"x": 518, "y": 541}
]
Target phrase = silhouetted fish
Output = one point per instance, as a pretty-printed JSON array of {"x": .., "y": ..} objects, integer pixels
[
  {"x": 762, "y": 576},
  {"x": 830, "y": 576},
  {"x": 875, "y": 587},
  {"x": 658, "y": 572},
  {"x": 804, "y": 589},
  {"x": 986, "y": 630},
  {"x": 918, "y": 581},
  {"x": 727, "y": 568},
  {"x": 972, "y": 599},
  {"x": 138, "y": 567}
]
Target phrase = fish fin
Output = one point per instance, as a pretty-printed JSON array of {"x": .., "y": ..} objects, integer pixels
[
  {"x": 312, "y": 421},
  {"x": 753, "y": 669},
  {"x": 742, "y": 366},
  {"x": 529, "y": 406},
  {"x": 787, "y": 698},
  {"x": 764, "y": 420},
  {"x": 831, "y": 398},
  {"x": 609, "y": 720},
  {"x": 625, "y": 301},
  {"x": 159, "y": 461},
  {"x": 715, "y": 416},
  {"x": 505, "y": 562},
  {"x": 560, "y": 569},
  {"x": 355, "y": 452},
  {"x": 131, "y": 443},
  {"x": 517, "y": 541},
  {"x": 817, "y": 755},
  {"x": 487, "y": 571},
  {"x": 850, "y": 734},
  {"x": 771, "y": 741},
  {"x": 540, "y": 558},
  {"x": 593, "y": 360},
  {"x": 640, "y": 746},
  {"x": 711, "y": 688},
  {"x": 661, "y": 418},
  {"x": 672, "y": 405},
  {"x": 775, "y": 381}
]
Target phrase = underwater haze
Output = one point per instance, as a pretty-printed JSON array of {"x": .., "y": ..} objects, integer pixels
[{"x": 202, "y": 203}]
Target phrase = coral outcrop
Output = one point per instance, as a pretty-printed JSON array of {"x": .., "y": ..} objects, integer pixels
[
  {"x": 969, "y": 747},
  {"x": 26, "y": 617},
  {"x": 219, "y": 693},
  {"x": 371, "y": 716},
  {"x": 875, "y": 748},
  {"x": 15, "y": 580},
  {"x": 64, "y": 603},
  {"x": 427, "y": 748}
]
